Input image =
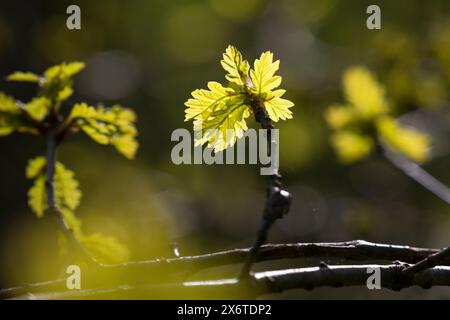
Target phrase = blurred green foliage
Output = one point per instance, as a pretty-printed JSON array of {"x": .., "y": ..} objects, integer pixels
[{"x": 152, "y": 54}]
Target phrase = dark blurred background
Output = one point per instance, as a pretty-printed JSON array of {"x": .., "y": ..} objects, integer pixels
[{"x": 149, "y": 55}]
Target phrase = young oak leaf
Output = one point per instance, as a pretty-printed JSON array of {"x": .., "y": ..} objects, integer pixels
[
  {"x": 412, "y": 143},
  {"x": 105, "y": 126},
  {"x": 236, "y": 66},
  {"x": 23, "y": 77},
  {"x": 368, "y": 107},
  {"x": 219, "y": 113},
  {"x": 11, "y": 117},
  {"x": 277, "y": 107},
  {"x": 223, "y": 126},
  {"x": 8, "y": 115},
  {"x": 105, "y": 249},
  {"x": 351, "y": 146},
  {"x": 37, "y": 196},
  {"x": 205, "y": 100},
  {"x": 364, "y": 93},
  {"x": 35, "y": 167},
  {"x": 67, "y": 192},
  {"x": 57, "y": 81},
  {"x": 38, "y": 108},
  {"x": 63, "y": 71},
  {"x": 263, "y": 75},
  {"x": 340, "y": 116},
  {"x": 102, "y": 248}
]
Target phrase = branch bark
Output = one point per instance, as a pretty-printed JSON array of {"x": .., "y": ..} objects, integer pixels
[
  {"x": 260, "y": 283},
  {"x": 278, "y": 201},
  {"x": 429, "y": 262},
  {"x": 53, "y": 210},
  {"x": 170, "y": 269}
]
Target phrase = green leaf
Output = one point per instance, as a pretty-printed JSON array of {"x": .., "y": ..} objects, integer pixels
[
  {"x": 219, "y": 113},
  {"x": 37, "y": 196},
  {"x": 67, "y": 193},
  {"x": 340, "y": 116},
  {"x": 11, "y": 117},
  {"x": 7, "y": 126},
  {"x": 364, "y": 93},
  {"x": 82, "y": 111},
  {"x": 263, "y": 74},
  {"x": 7, "y": 103},
  {"x": 113, "y": 126},
  {"x": 23, "y": 77},
  {"x": 38, "y": 108},
  {"x": 35, "y": 167},
  {"x": 72, "y": 221},
  {"x": 206, "y": 100},
  {"x": 277, "y": 107},
  {"x": 102, "y": 248},
  {"x": 64, "y": 93},
  {"x": 58, "y": 81},
  {"x": 411, "y": 142},
  {"x": 351, "y": 146},
  {"x": 64, "y": 70},
  {"x": 126, "y": 145},
  {"x": 221, "y": 127},
  {"x": 105, "y": 249},
  {"x": 236, "y": 66}
]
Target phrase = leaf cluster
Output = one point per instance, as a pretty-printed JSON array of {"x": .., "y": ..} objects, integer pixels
[
  {"x": 44, "y": 115},
  {"x": 219, "y": 112},
  {"x": 364, "y": 120}
]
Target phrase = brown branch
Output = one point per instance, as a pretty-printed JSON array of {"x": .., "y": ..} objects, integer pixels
[
  {"x": 435, "y": 259},
  {"x": 53, "y": 210},
  {"x": 278, "y": 201},
  {"x": 170, "y": 269},
  {"x": 261, "y": 283}
]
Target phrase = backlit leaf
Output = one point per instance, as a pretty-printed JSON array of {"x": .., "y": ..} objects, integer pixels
[
  {"x": 38, "y": 108},
  {"x": 35, "y": 167},
  {"x": 113, "y": 126},
  {"x": 105, "y": 249},
  {"x": 219, "y": 112},
  {"x": 364, "y": 92},
  {"x": 350, "y": 146},
  {"x": 37, "y": 196},
  {"x": 83, "y": 111},
  {"x": 278, "y": 108},
  {"x": 263, "y": 75},
  {"x": 64, "y": 70},
  {"x": 339, "y": 116},
  {"x": 7, "y": 103},
  {"x": 206, "y": 100},
  {"x": 67, "y": 193},
  {"x": 410, "y": 142},
  {"x": 235, "y": 65},
  {"x": 23, "y": 77},
  {"x": 221, "y": 127}
]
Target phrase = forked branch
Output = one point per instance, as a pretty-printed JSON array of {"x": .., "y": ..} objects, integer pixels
[{"x": 339, "y": 252}]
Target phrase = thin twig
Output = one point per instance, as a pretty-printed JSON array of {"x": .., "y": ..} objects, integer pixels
[
  {"x": 51, "y": 140},
  {"x": 419, "y": 175},
  {"x": 278, "y": 201}
]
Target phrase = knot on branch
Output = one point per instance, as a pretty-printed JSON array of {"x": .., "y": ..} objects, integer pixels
[
  {"x": 400, "y": 279},
  {"x": 277, "y": 205}
]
